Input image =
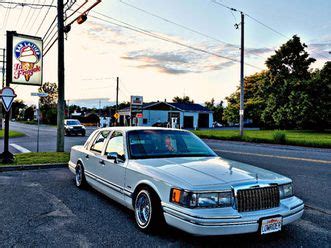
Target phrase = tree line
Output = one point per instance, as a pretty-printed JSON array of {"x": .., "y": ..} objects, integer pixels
[{"x": 287, "y": 95}]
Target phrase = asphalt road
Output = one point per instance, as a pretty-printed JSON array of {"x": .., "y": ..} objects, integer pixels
[
  {"x": 46, "y": 209},
  {"x": 47, "y": 140}
]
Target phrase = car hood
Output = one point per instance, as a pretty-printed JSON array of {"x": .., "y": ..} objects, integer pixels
[{"x": 211, "y": 171}]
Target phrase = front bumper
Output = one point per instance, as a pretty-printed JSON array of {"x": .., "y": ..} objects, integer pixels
[{"x": 228, "y": 221}]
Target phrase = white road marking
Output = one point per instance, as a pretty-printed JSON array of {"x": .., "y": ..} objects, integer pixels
[
  {"x": 20, "y": 148},
  {"x": 275, "y": 156}
]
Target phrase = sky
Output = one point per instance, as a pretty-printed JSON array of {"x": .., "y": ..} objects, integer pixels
[{"x": 97, "y": 52}]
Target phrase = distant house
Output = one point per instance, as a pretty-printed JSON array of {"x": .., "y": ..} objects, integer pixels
[{"x": 187, "y": 115}]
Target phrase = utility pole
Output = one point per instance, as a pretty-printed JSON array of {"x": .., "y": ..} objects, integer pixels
[
  {"x": 7, "y": 156},
  {"x": 2, "y": 81},
  {"x": 60, "y": 75},
  {"x": 117, "y": 83},
  {"x": 241, "y": 111},
  {"x": 3, "y": 67}
]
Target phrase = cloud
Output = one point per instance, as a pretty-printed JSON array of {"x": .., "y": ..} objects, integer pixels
[{"x": 144, "y": 52}]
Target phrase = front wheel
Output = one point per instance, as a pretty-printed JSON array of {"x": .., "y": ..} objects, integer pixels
[
  {"x": 80, "y": 176},
  {"x": 147, "y": 208}
]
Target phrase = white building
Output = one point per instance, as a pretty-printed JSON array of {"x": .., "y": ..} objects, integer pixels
[{"x": 188, "y": 115}]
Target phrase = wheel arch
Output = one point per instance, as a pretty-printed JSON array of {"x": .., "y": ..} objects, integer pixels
[{"x": 148, "y": 185}]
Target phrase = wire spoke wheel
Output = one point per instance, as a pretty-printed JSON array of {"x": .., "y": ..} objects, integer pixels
[
  {"x": 79, "y": 175},
  {"x": 143, "y": 209}
]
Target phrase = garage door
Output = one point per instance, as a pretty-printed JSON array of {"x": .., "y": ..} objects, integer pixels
[
  {"x": 188, "y": 121},
  {"x": 203, "y": 120}
]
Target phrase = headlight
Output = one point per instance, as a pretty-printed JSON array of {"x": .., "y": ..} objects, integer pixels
[
  {"x": 201, "y": 200},
  {"x": 285, "y": 190}
]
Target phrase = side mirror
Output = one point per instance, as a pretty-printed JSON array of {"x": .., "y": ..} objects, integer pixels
[{"x": 112, "y": 155}]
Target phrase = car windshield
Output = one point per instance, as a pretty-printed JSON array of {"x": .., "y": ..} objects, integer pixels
[
  {"x": 73, "y": 122},
  {"x": 166, "y": 143}
]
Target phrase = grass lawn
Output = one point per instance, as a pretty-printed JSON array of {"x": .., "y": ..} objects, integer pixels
[
  {"x": 12, "y": 134},
  {"x": 41, "y": 158},
  {"x": 292, "y": 137}
]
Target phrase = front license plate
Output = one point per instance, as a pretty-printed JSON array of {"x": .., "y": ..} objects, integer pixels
[{"x": 271, "y": 225}]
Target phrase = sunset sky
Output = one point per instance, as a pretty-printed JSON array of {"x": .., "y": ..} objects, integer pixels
[{"x": 96, "y": 52}]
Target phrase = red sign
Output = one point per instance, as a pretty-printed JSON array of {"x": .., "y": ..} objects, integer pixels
[{"x": 140, "y": 115}]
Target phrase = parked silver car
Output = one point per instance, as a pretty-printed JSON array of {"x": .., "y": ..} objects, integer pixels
[{"x": 171, "y": 176}]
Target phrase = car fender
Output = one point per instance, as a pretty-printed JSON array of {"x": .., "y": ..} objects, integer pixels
[{"x": 148, "y": 183}]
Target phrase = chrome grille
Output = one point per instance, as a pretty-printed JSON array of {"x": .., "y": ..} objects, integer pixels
[{"x": 257, "y": 198}]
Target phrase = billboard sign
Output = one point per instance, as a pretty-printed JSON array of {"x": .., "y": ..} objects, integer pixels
[
  {"x": 27, "y": 60},
  {"x": 136, "y": 100}
]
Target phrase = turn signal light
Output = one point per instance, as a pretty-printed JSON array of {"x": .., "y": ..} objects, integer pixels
[{"x": 175, "y": 195}]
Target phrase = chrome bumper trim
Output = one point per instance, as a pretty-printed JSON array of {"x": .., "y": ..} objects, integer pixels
[{"x": 168, "y": 206}]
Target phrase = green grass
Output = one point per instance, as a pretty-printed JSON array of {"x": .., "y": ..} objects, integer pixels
[
  {"x": 292, "y": 137},
  {"x": 41, "y": 158},
  {"x": 12, "y": 134}
]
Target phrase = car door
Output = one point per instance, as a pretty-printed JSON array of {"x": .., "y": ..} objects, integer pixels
[
  {"x": 93, "y": 157},
  {"x": 113, "y": 171}
]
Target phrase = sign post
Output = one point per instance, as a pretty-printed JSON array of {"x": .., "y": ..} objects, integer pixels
[
  {"x": 136, "y": 109},
  {"x": 39, "y": 94},
  {"x": 24, "y": 63}
]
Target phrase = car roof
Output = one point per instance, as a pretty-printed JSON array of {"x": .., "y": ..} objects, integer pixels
[{"x": 126, "y": 129}]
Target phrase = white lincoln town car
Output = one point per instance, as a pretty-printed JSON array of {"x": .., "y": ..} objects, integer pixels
[{"x": 171, "y": 176}]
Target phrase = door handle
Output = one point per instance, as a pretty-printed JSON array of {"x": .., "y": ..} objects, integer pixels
[
  {"x": 87, "y": 156},
  {"x": 102, "y": 162}
]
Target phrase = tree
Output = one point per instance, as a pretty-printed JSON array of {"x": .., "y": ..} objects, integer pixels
[
  {"x": 48, "y": 104},
  {"x": 16, "y": 106},
  {"x": 184, "y": 99},
  {"x": 51, "y": 89},
  {"x": 218, "y": 110},
  {"x": 254, "y": 87},
  {"x": 29, "y": 113},
  {"x": 288, "y": 72},
  {"x": 288, "y": 95}
]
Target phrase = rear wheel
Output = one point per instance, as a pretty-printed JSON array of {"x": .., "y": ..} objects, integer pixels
[
  {"x": 147, "y": 209},
  {"x": 80, "y": 176}
]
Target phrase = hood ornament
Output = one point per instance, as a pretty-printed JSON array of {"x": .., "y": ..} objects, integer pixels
[{"x": 257, "y": 177}]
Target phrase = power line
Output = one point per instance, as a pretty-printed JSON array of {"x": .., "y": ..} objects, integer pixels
[
  {"x": 27, "y": 16},
  {"x": 30, "y": 19},
  {"x": 151, "y": 34},
  {"x": 186, "y": 27},
  {"x": 4, "y": 24},
  {"x": 263, "y": 24},
  {"x": 44, "y": 18},
  {"x": 30, "y": 5},
  {"x": 37, "y": 17}
]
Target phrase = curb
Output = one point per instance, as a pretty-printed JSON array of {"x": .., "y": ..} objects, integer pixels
[{"x": 32, "y": 167}]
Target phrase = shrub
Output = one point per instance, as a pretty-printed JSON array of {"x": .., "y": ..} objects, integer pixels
[{"x": 279, "y": 137}]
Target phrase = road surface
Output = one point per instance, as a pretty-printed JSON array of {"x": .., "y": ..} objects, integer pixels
[{"x": 87, "y": 211}]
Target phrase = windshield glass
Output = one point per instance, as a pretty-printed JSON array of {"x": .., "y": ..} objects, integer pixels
[
  {"x": 73, "y": 122},
  {"x": 166, "y": 143}
]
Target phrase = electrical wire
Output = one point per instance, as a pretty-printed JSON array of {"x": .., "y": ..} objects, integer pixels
[
  {"x": 4, "y": 24},
  {"x": 151, "y": 34},
  {"x": 37, "y": 17},
  {"x": 263, "y": 24},
  {"x": 27, "y": 17},
  {"x": 44, "y": 18},
  {"x": 188, "y": 28}
]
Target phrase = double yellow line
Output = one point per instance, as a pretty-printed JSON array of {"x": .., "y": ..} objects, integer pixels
[{"x": 275, "y": 156}]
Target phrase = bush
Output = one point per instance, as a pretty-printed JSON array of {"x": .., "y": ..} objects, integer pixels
[{"x": 279, "y": 137}]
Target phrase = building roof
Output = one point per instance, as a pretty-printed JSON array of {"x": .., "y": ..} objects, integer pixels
[{"x": 180, "y": 106}]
